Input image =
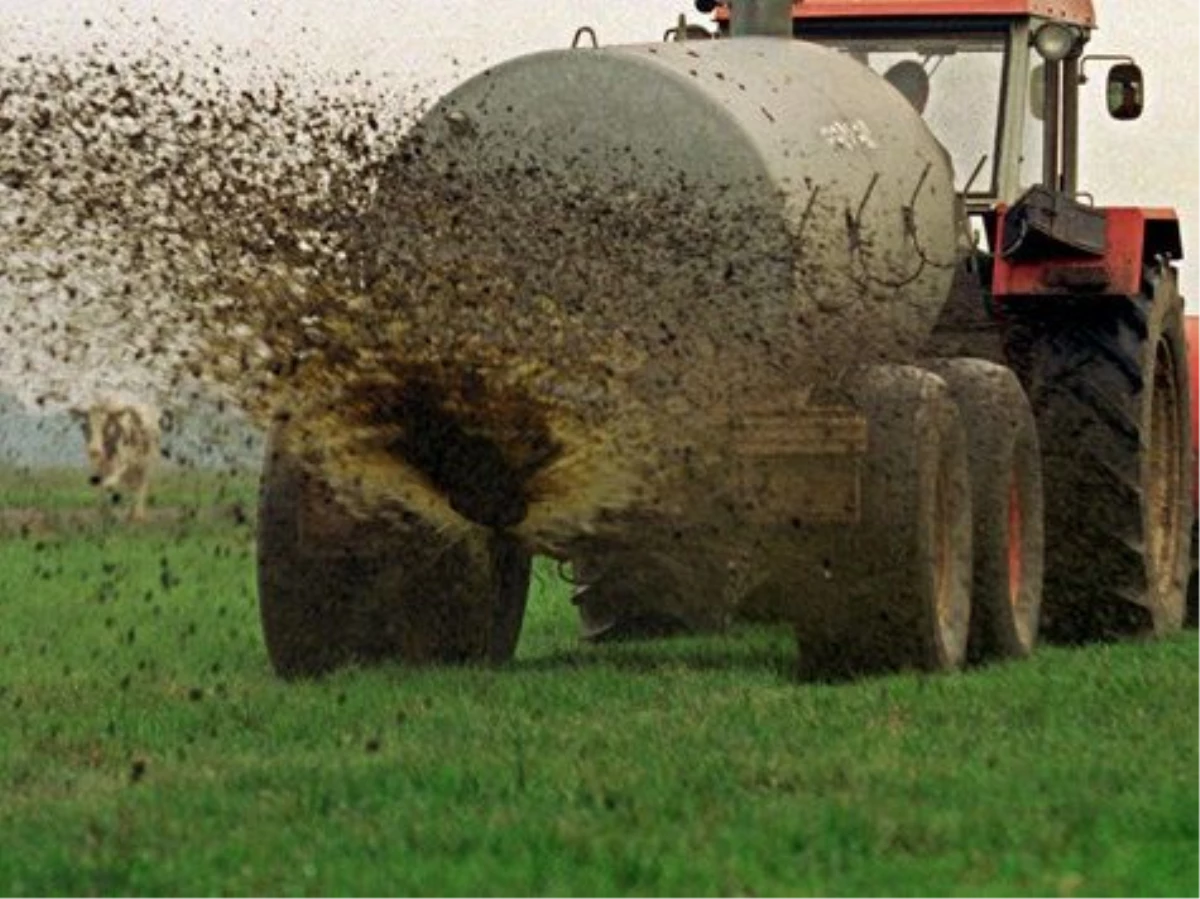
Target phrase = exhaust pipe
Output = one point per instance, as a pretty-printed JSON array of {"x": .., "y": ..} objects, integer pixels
[{"x": 761, "y": 18}]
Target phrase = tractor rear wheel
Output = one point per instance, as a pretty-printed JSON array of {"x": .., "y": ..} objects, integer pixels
[
  {"x": 1192, "y": 616},
  {"x": 1006, "y": 501},
  {"x": 335, "y": 589},
  {"x": 900, "y": 589},
  {"x": 1107, "y": 380}
]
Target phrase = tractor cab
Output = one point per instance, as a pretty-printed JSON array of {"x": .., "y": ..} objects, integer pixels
[
  {"x": 999, "y": 84},
  {"x": 997, "y": 81}
]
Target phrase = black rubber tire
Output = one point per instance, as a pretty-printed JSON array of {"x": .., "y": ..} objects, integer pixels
[
  {"x": 1192, "y": 615},
  {"x": 1107, "y": 380},
  {"x": 336, "y": 590},
  {"x": 900, "y": 593},
  {"x": 1007, "y": 506}
]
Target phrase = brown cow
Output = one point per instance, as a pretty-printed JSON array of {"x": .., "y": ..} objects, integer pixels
[{"x": 122, "y": 445}]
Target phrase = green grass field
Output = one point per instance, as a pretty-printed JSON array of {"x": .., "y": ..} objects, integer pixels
[
  {"x": 146, "y": 748},
  {"x": 174, "y": 488}
]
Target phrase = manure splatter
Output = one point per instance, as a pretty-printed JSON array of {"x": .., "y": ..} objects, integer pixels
[{"x": 508, "y": 346}]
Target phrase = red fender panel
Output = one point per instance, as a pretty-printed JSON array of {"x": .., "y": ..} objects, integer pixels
[
  {"x": 1134, "y": 236},
  {"x": 1192, "y": 330}
]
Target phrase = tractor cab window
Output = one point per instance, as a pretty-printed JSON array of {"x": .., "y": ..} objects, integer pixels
[
  {"x": 955, "y": 80},
  {"x": 1029, "y": 164}
]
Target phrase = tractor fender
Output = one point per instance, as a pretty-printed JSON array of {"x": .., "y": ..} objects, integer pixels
[{"x": 1111, "y": 263}]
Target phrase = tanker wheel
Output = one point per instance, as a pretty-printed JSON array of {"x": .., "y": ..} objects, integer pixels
[
  {"x": 1192, "y": 618},
  {"x": 1006, "y": 503},
  {"x": 903, "y": 599},
  {"x": 1108, "y": 384},
  {"x": 336, "y": 590}
]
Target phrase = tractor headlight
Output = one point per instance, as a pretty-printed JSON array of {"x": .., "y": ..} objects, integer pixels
[{"x": 1055, "y": 41}]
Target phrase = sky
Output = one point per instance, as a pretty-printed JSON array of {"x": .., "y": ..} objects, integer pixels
[{"x": 428, "y": 47}]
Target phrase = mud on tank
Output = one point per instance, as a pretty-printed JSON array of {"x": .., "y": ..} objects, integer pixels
[{"x": 626, "y": 329}]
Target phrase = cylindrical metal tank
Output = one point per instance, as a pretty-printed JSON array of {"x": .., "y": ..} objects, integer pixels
[
  {"x": 619, "y": 255},
  {"x": 855, "y": 194}
]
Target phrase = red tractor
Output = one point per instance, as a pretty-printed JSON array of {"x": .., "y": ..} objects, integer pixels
[
  {"x": 1081, "y": 301},
  {"x": 875, "y": 363}
]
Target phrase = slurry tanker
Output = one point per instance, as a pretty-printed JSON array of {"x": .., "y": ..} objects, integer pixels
[{"x": 806, "y": 317}]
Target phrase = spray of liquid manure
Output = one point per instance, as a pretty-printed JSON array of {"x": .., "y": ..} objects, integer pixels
[{"x": 507, "y": 345}]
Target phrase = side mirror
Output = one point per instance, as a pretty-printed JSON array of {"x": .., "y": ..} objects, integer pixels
[{"x": 1126, "y": 91}]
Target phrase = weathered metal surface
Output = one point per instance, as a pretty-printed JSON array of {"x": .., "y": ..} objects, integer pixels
[
  {"x": 805, "y": 431},
  {"x": 795, "y": 464},
  {"x": 819, "y": 489}
]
